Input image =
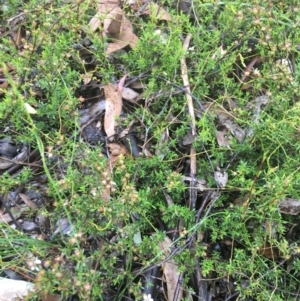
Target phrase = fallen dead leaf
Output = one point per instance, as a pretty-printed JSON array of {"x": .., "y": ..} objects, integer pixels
[
  {"x": 112, "y": 109},
  {"x": 115, "y": 25},
  {"x": 221, "y": 138},
  {"x": 16, "y": 212},
  {"x": 113, "y": 20},
  {"x": 158, "y": 12},
  {"x": 28, "y": 201},
  {"x": 170, "y": 271},
  {"x": 129, "y": 94},
  {"x": 104, "y": 9},
  {"x": 115, "y": 151},
  {"x": 221, "y": 178},
  {"x": 135, "y": 2},
  {"x": 126, "y": 37},
  {"x": 269, "y": 251},
  {"x": 30, "y": 109},
  {"x": 87, "y": 77},
  {"x": 137, "y": 85},
  {"x": 121, "y": 83},
  {"x": 95, "y": 22}
]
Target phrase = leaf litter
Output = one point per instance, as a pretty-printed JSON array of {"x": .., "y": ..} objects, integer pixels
[{"x": 103, "y": 108}]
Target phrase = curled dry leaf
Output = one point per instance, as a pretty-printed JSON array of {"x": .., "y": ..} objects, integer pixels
[
  {"x": 221, "y": 178},
  {"x": 29, "y": 108},
  {"x": 112, "y": 109},
  {"x": 221, "y": 138}
]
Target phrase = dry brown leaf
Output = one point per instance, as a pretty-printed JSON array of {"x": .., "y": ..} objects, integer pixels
[
  {"x": 104, "y": 8},
  {"x": 221, "y": 138},
  {"x": 137, "y": 85},
  {"x": 129, "y": 94},
  {"x": 29, "y": 108},
  {"x": 147, "y": 153},
  {"x": 16, "y": 212},
  {"x": 221, "y": 178},
  {"x": 170, "y": 271},
  {"x": 112, "y": 109},
  {"x": 135, "y": 2},
  {"x": 28, "y": 201},
  {"x": 269, "y": 251},
  {"x": 115, "y": 25},
  {"x": 87, "y": 77},
  {"x": 112, "y": 23},
  {"x": 95, "y": 22},
  {"x": 115, "y": 151},
  {"x": 126, "y": 37},
  {"x": 158, "y": 12}
]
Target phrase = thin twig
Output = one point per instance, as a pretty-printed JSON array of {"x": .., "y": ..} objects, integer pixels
[
  {"x": 193, "y": 189},
  {"x": 184, "y": 75}
]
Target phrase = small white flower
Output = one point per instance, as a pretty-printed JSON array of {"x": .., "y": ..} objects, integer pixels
[
  {"x": 33, "y": 264},
  {"x": 256, "y": 72},
  {"x": 147, "y": 297},
  {"x": 37, "y": 260}
]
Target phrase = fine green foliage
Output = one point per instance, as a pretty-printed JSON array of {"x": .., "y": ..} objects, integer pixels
[{"x": 110, "y": 244}]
